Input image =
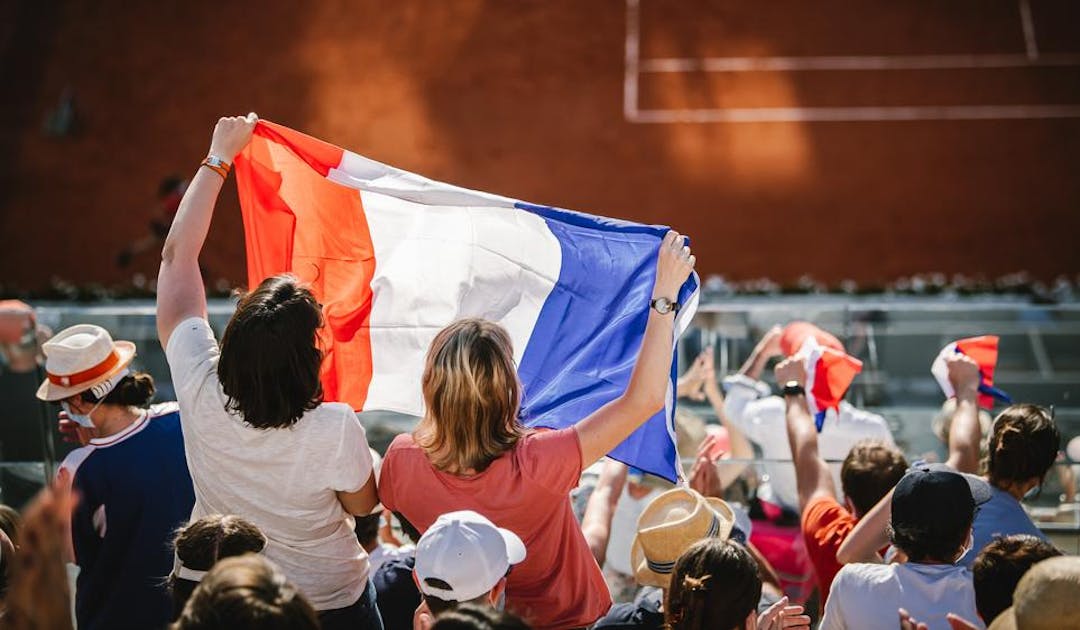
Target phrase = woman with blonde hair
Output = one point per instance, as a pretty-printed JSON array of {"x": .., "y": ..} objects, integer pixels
[{"x": 471, "y": 452}]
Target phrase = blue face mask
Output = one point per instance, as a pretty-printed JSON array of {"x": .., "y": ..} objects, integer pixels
[
  {"x": 83, "y": 420},
  {"x": 1034, "y": 492}
]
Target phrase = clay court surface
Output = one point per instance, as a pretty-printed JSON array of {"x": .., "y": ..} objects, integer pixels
[{"x": 860, "y": 140}]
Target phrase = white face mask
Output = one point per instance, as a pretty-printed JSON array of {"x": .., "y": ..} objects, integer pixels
[
  {"x": 967, "y": 547},
  {"x": 83, "y": 420}
]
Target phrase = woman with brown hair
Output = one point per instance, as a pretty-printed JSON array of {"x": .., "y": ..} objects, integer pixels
[
  {"x": 201, "y": 544},
  {"x": 470, "y": 452},
  {"x": 261, "y": 443}
]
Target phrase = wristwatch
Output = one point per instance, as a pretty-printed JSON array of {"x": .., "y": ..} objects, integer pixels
[
  {"x": 664, "y": 306},
  {"x": 792, "y": 388}
]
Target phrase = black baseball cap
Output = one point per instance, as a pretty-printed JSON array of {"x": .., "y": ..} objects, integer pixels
[{"x": 934, "y": 497}]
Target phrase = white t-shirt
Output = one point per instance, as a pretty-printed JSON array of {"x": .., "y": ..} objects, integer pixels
[
  {"x": 283, "y": 480},
  {"x": 385, "y": 553},
  {"x": 763, "y": 422},
  {"x": 869, "y": 596},
  {"x": 624, "y": 528}
]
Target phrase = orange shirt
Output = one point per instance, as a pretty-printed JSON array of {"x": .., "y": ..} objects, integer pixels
[
  {"x": 825, "y": 525},
  {"x": 526, "y": 491}
]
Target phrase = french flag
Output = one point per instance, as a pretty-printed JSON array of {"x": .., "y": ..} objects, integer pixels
[
  {"x": 394, "y": 257},
  {"x": 984, "y": 351},
  {"x": 829, "y": 374}
]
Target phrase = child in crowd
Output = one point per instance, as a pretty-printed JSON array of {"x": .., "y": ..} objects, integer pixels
[
  {"x": 131, "y": 477},
  {"x": 201, "y": 544},
  {"x": 933, "y": 508},
  {"x": 471, "y": 452},
  {"x": 869, "y": 472},
  {"x": 261, "y": 442},
  {"x": 247, "y": 591}
]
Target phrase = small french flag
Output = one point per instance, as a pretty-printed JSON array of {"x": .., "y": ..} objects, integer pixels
[
  {"x": 829, "y": 373},
  {"x": 984, "y": 351}
]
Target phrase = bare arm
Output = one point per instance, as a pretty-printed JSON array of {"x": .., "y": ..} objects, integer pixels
[
  {"x": 812, "y": 476},
  {"x": 596, "y": 524},
  {"x": 180, "y": 291},
  {"x": 768, "y": 347},
  {"x": 361, "y": 502},
  {"x": 869, "y": 534},
  {"x": 646, "y": 393},
  {"x": 740, "y": 445},
  {"x": 965, "y": 434}
]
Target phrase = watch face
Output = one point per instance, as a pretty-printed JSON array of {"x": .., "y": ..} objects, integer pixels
[{"x": 662, "y": 305}]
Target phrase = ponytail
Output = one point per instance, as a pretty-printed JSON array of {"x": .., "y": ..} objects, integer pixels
[{"x": 134, "y": 390}]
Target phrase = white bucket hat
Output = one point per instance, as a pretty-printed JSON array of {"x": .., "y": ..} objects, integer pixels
[{"x": 81, "y": 358}]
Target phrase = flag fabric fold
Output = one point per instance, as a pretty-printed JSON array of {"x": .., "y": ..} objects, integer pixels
[
  {"x": 984, "y": 351},
  {"x": 829, "y": 374},
  {"x": 393, "y": 257}
]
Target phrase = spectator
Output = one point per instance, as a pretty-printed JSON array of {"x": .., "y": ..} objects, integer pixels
[
  {"x": 1045, "y": 598},
  {"x": 200, "y": 544},
  {"x": 470, "y": 617},
  {"x": 716, "y": 585},
  {"x": 247, "y": 591},
  {"x": 262, "y": 443},
  {"x": 10, "y": 523},
  {"x": 869, "y": 471},
  {"x": 941, "y": 425},
  {"x": 999, "y": 567},
  {"x": 762, "y": 417},
  {"x": 1022, "y": 448},
  {"x": 933, "y": 508},
  {"x": 370, "y": 529},
  {"x": 668, "y": 526},
  {"x": 470, "y": 452},
  {"x": 131, "y": 477},
  {"x": 463, "y": 558}
]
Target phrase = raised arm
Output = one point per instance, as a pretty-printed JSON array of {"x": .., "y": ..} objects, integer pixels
[
  {"x": 596, "y": 523},
  {"x": 868, "y": 535},
  {"x": 812, "y": 476},
  {"x": 740, "y": 445},
  {"x": 767, "y": 348},
  {"x": 965, "y": 434},
  {"x": 180, "y": 291},
  {"x": 646, "y": 393}
]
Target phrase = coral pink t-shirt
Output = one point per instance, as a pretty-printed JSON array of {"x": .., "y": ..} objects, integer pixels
[{"x": 526, "y": 491}]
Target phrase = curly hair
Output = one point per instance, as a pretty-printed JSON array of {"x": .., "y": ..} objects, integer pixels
[{"x": 999, "y": 567}]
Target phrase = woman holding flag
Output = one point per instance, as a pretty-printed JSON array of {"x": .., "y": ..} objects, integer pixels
[
  {"x": 260, "y": 441},
  {"x": 471, "y": 452}
]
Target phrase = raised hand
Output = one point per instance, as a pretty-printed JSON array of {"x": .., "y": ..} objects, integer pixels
[
  {"x": 783, "y": 615},
  {"x": 231, "y": 134},
  {"x": 963, "y": 374},
  {"x": 790, "y": 370},
  {"x": 673, "y": 266}
]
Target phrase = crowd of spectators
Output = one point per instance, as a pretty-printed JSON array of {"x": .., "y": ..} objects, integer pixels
[{"x": 252, "y": 503}]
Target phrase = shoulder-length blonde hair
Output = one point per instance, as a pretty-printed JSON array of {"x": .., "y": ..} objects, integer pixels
[{"x": 472, "y": 394}]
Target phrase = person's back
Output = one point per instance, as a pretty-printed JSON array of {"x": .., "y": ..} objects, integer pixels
[
  {"x": 1022, "y": 448},
  {"x": 526, "y": 492},
  {"x": 121, "y": 545}
]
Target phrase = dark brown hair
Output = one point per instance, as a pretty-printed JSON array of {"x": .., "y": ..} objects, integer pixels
[
  {"x": 246, "y": 592},
  {"x": 473, "y": 617},
  {"x": 869, "y": 471},
  {"x": 1023, "y": 445},
  {"x": 270, "y": 356},
  {"x": 201, "y": 543},
  {"x": 367, "y": 528},
  {"x": 999, "y": 567},
  {"x": 715, "y": 586},
  {"x": 472, "y": 394},
  {"x": 134, "y": 390}
]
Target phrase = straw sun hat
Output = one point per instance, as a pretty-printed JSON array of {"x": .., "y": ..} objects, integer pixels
[
  {"x": 81, "y": 358},
  {"x": 668, "y": 526}
]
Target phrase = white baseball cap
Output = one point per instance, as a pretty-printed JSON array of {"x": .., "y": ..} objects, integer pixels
[{"x": 468, "y": 552}]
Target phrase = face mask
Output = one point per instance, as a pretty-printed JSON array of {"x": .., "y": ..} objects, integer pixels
[
  {"x": 1034, "y": 492},
  {"x": 967, "y": 547},
  {"x": 83, "y": 420},
  {"x": 500, "y": 603}
]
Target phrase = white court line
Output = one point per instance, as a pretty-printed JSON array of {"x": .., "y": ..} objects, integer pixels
[
  {"x": 634, "y": 66},
  {"x": 861, "y": 62},
  {"x": 856, "y": 114},
  {"x": 1028, "y": 24}
]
